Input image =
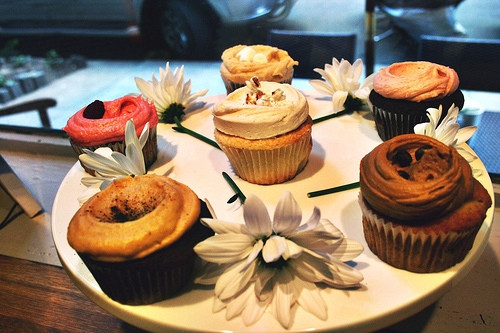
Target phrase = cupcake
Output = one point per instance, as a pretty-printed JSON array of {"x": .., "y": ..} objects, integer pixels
[
  {"x": 264, "y": 129},
  {"x": 137, "y": 236},
  {"x": 404, "y": 91},
  {"x": 242, "y": 62},
  {"x": 421, "y": 206},
  {"x": 102, "y": 124}
]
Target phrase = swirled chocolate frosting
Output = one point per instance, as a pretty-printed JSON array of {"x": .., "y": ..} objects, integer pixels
[{"x": 415, "y": 178}]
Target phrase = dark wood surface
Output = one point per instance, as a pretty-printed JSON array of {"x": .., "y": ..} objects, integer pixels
[{"x": 41, "y": 298}]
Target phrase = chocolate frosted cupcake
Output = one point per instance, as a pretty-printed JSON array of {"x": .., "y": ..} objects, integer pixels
[
  {"x": 137, "y": 237},
  {"x": 102, "y": 124},
  {"x": 404, "y": 91},
  {"x": 242, "y": 62},
  {"x": 265, "y": 131},
  {"x": 421, "y": 206}
]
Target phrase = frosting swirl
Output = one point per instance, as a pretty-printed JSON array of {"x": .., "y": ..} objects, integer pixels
[
  {"x": 416, "y": 81},
  {"x": 103, "y": 122},
  {"x": 246, "y": 114},
  {"x": 241, "y": 62},
  {"x": 415, "y": 177}
]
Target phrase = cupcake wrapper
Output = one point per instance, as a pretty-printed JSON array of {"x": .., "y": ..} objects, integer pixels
[
  {"x": 134, "y": 286},
  {"x": 232, "y": 86},
  {"x": 150, "y": 149},
  {"x": 390, "y": 124},
  {"x": 272, "y": 166},
  {"x": 411, "y": 249}
]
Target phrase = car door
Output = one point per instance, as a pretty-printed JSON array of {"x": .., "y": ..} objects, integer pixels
[{"x": 65, "y": 15}]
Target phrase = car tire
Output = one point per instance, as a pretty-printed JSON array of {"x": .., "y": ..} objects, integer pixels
[{"x": 185, "y": 28}]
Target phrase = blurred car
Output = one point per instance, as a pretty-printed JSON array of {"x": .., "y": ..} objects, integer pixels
[{"x": 185, "y": 27}]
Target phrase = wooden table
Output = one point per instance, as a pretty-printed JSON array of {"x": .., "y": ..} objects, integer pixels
[{"x": 41, "y": 298}]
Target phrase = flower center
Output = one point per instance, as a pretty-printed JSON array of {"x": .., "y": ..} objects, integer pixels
[{"x": 173, "y": 110}]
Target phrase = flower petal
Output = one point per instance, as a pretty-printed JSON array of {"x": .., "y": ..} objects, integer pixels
[
  {"x": 233, "y": 281},
  {"x": 321, "y": 86},
  {"x": 338, "y": 100},
  {"x": 274, "y": 247},
  {"x": 287, "y": 215},
  {"x": 208, "y": 273},
  {"x": 254, "y": 309},
  {"x": 308, "y": 296},
  {"x": 256, "y": 217},
  {"x": 101, "y": 164},
  {"x": 346, "y": 250},
  {"x": 256, "y": 249},
  {"x": 292, "y": 250},
  {"x": 222, "y": 227},
  {"x": 283, "y": 298},
  {"x": 465, "y": 134},
  {"x": 312, "y": 222},
  {"x": 225, "y": 248}
]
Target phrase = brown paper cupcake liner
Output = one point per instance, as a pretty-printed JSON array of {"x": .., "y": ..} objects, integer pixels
[
  {"x": 150, "y": 149},
  {"x": 412, "y": 249},
  {"x": 273, "y": 166},
  {"x": 156, "y": 277}
]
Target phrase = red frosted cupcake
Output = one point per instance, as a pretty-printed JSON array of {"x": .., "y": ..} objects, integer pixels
[
  {"x": 421, "y": 206},
  {"x": 102, "y": 124}
]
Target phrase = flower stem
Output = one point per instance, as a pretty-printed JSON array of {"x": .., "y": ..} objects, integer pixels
[
  {"x": 333, "y": 190},
  {"x": 330, "y": 116},
  {"x": 182, "y": 129},
  {"x": 235, "y": 187}
]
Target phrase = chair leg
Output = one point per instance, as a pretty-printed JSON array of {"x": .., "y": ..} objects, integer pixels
[{"x": 44, "y": 117}]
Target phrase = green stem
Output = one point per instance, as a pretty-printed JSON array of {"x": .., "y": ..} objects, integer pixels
[
  {"x": 182, "y": 129},
  {"x": 330, "y": 116},
  {"x": 333, "y": 190},
  {"x": 235, "y": 187}
]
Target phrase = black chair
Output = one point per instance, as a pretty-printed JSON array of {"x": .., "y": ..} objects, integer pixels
[
  {"x": 40, "y": 105},
  {"x": 475, "y": 60},
  {"x": 313, "y": 49}
]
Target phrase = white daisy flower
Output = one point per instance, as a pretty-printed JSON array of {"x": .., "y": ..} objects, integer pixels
[
  {"x": 341, "y": 81},
  {"x": 266, "y": 265},
  {"x": 110, "y": 165},
  {"x": 448, "y": 131},
  {"x": 171, "y": 95}
]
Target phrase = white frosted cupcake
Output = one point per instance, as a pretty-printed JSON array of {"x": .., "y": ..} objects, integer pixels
[{"x": 264, "y": 129}]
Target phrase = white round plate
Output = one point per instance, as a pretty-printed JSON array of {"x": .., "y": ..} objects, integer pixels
[{"x": 387, "y": 294}]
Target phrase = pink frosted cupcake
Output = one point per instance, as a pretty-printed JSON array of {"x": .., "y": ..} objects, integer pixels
[{"x": 404, "y": 91}]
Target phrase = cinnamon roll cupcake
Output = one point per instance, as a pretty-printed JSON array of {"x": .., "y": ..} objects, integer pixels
[
  {"x": 404, "y": 91},
  {"x": 421, "y": 206},
  {"x": 242, "y": 62}
]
